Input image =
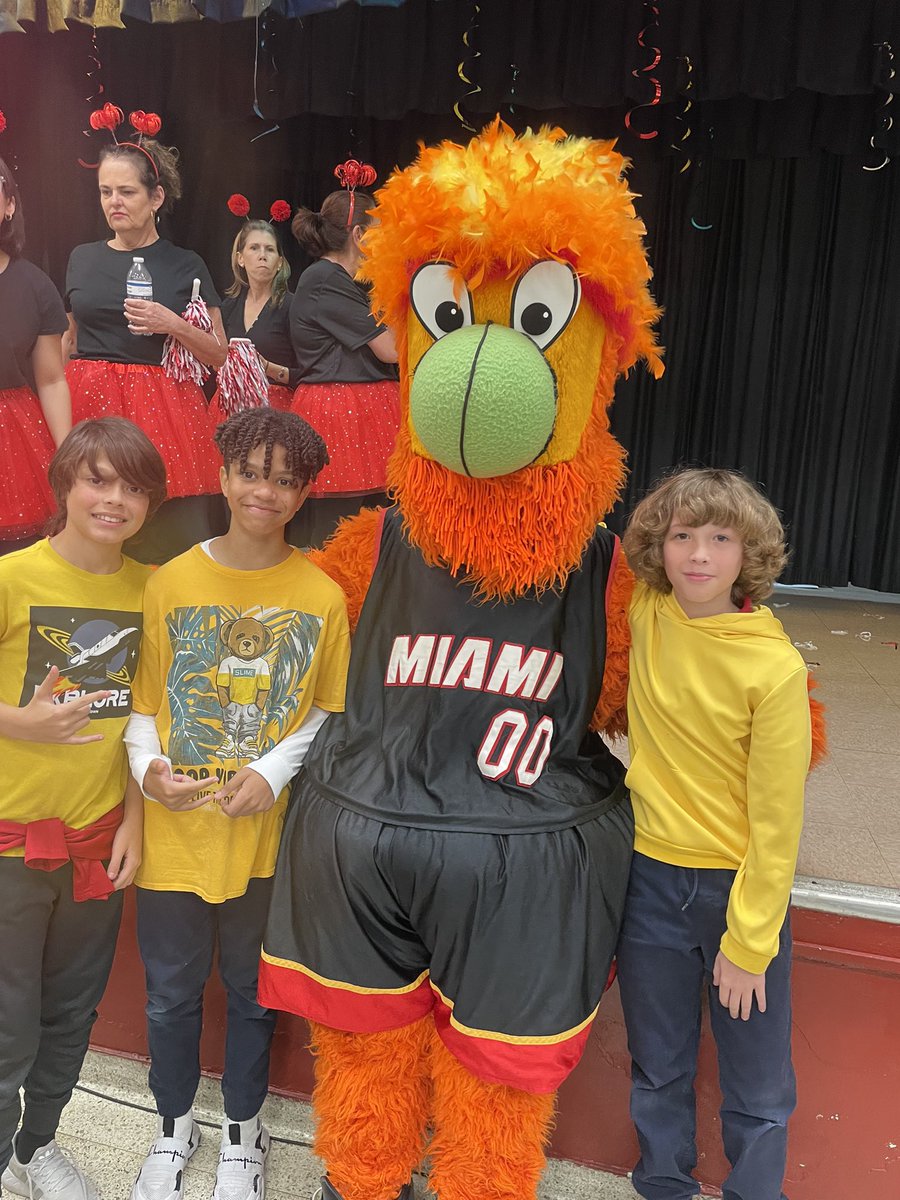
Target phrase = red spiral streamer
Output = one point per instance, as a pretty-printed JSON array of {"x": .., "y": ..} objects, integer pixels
[
  {"x": 353, "y": 174},
  {"x": 2, "y": 120},
  {"x": 280, "y": 211},
  {"x": 652, "y": 23}
]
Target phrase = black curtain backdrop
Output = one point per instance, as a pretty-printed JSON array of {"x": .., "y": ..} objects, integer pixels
[{"x": 777, "y": 255}]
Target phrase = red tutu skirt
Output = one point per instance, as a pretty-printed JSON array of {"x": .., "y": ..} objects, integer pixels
[
  {"x": 359, "y": 423},
  {"x": 280, "y": 397},
  {"x": 26, "y": 501},
  {"x": 173, "y": 415}
]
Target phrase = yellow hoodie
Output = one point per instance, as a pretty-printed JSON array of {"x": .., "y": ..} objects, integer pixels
[{"x": 719, "y": 732}]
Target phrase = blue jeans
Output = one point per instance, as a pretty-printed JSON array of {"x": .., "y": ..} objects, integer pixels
[
  {"x": 177, "y": 933},
  {"x": 674, "y": 920}
]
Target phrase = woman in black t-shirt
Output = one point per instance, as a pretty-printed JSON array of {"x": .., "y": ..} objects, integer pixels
[
  {"x": 348, "y": 389},
  {"x": 257, "y": 307},
  {"x": 118, "y": 343},
  {"x": 35, "y": 412}
]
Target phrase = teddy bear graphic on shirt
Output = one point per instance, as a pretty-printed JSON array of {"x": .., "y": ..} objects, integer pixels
[{"x": 243, "y": 682}]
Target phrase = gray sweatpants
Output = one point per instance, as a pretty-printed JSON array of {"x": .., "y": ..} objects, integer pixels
[{"x": 55, "y": 959}]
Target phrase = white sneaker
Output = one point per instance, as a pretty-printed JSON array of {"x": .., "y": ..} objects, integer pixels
[
  {"x": 51, "y": 1175},
  {"x": 241, "y": 1173},
  {"x": 162, "y": 1175}
]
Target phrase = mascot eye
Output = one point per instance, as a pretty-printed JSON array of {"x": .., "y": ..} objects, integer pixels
[
  {"x": 544, "y": 301},
  {"x": 435, "y": 302}
]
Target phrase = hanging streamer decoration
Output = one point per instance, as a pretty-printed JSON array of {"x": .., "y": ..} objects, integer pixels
[
  {"x": 883, "y": 114},
  {"x": 652, "y": 11},
  {"x": 463, "y": 66},
  {"x": 682, "y": 146},
  {"x": 95, "y": 81},
  {"x": 264, "y": 40}
]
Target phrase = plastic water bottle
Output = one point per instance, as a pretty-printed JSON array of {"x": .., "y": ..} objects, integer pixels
[{"x": 139, "y": 285}]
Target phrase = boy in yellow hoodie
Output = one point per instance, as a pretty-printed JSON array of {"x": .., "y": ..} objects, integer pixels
[{"x": 719, "y": 733}]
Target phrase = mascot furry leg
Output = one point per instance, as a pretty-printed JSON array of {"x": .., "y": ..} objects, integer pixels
[
  {"x": 489, "y": 1139},
  {"x": 372, "y": 1101}
]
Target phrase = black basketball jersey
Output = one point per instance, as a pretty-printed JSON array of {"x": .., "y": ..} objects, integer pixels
[{"x": 468, "y": 715}]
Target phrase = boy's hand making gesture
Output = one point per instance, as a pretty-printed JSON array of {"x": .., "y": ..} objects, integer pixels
[
  {"x": 245, "y": 793},
  {"x": 178, "y": 792},
  {"x": 43, "y": 720},
  {"x": 737, "y": 988}
]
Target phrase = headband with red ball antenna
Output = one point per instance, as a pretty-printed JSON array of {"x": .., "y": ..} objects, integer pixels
[
  {"x": 353, "y": 174},
  {"x": 144, "y": 124},
  {"x": 239, "y": 205}
]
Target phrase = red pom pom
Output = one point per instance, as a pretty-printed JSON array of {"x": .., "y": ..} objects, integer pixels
[
  {"x": 280, "y": 211},
  {"x": 2, "y": 121},
  {"x": 239, "y": 204},
  {"x": 353, "y": 174},
  {"x": 107, "y": 117},
  {"x": 146, "y": 123}
]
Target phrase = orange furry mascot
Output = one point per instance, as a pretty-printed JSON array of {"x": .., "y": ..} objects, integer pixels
[{"x": 454, "y": 863}]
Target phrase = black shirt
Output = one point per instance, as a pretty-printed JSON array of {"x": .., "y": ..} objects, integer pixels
[
  {"x": 95, "y": 294},
  {"x": 331, "y": 326},
  {"x": 478, "y": 711},
  {"x": 29, "y": 307},
  {"x": 270, "y": 333}
]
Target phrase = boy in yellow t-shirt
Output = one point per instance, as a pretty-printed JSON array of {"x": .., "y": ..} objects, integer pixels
[
  {"x": 720, "y": 739},
  {"x": 244, "y": 655},
  {"x": 70, "y": 821}
]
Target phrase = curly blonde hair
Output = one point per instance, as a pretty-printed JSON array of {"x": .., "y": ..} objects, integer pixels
[{"x": 708, "y": 496}]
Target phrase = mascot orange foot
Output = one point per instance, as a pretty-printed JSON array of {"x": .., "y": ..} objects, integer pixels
[{"x": 454, "y": 865}]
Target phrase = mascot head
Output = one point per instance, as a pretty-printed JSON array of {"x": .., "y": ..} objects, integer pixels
[{"x": 513, "y": 273}]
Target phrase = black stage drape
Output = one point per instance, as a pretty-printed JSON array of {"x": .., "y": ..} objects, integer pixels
[{"x": 777, "y": 255}]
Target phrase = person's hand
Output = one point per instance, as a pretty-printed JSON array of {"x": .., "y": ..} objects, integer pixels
[
  {"x": 177, "y": 792},
  {"x": 126, "y": 854},
  {"x": 245, "y": 793},
  {"x": 43, "y": 720},
  {"x": 737, "y": 988},
  {"x": 146, "y": 316}
]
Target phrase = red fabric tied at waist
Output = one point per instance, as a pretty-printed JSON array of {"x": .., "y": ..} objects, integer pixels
[{"x": 49, "y": 844}]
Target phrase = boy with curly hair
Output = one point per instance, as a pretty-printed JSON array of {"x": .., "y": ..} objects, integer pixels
[
  {"x": 244, "y": 655},
  {"x": 720, "y": 740}
]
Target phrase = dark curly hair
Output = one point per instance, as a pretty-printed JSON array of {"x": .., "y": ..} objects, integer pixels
[
  {"x": 165, "y": 158},
  {"x": 304, "y": 449},
  {"x": 12, "y": 232},
  {"x": 700, "y": 496}
]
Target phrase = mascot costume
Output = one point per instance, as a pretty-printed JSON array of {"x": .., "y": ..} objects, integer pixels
[{"x": 454, "y": 864}]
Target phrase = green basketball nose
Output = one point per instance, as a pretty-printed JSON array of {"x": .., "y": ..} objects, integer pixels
[{"x": 483, "y": 401}]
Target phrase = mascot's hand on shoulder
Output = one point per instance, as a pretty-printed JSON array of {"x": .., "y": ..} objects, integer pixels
[{"x": 513, "y": 274}]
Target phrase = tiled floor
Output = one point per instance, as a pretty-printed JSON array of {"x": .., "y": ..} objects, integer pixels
[
  {"x": 852, "y": 831},
  {"x": 108, "y": 1126}
]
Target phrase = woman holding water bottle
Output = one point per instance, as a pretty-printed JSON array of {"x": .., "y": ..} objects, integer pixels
[{"x": 125, "y": 295}]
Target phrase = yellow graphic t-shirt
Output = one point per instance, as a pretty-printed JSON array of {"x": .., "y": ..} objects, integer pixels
[
  {"x": 89, "y": 626},
  {"x": 231, "y": 663}
]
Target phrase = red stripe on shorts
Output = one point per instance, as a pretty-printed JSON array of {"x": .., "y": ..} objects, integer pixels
[
  {"x": 369, "y": 1011},
  {"x": 529, "y": 1066}
]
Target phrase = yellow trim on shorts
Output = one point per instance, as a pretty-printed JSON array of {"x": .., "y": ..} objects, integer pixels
[
  {"x": 338, "y": 984},
  {"x": 513, "y": 1039}
]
